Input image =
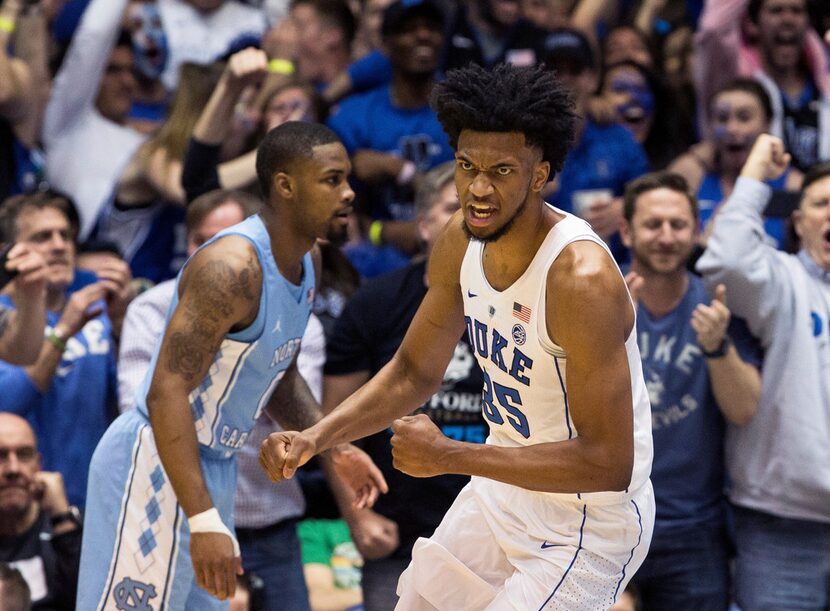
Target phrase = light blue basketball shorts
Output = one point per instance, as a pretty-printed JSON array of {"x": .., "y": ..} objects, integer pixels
[{"x": 136, "y": 541}]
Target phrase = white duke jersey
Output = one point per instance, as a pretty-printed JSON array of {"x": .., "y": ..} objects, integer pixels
[
  {"x": 525, "y": 399},
  {"x": 249, "y": 363}
]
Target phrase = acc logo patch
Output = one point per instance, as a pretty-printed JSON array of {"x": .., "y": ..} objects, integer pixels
[
  {"x": 519, "y": 334},
  {"x": 131, "y": 595}
]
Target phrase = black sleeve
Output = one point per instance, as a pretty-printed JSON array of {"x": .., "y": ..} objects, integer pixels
[
  {"x": 347, "y": 350},
  {"x": 67, "y": 549},
  {"x": 200, "y": 173}
]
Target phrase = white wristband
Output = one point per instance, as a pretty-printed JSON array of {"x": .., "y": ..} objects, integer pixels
[{"x": 211, "y": 522}]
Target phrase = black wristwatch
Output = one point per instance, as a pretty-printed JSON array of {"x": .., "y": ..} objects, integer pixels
[
  {"x": 70, "y": 515},
  {"x": 720, "y": 351}
]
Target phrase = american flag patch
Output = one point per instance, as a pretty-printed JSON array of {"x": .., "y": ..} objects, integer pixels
[{"x": 521, "y": 312}]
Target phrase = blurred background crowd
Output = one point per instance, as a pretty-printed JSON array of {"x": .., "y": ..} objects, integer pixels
[{"x": 128, "y": 135}]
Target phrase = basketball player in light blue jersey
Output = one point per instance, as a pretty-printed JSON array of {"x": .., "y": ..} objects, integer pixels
[
  {"x": 559, "y": 510},
  {"x": 159, "y": 523}
]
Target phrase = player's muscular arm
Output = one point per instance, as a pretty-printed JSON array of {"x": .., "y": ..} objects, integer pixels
[
  {"x": 589, "y": 316},
  {"x": 416, "y": 370},
  {"x": 405, "y": 382},
  {"x": 219, "y": 292}
]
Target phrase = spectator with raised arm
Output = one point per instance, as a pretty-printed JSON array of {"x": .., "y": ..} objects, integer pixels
[
  {"x": 85, "y": 135},
  {"x": 772, "y": 42},
  {"x": 68, "y": 394},
  {"x": 777, "y": 458}
]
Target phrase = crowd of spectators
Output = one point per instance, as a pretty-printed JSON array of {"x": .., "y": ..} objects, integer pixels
[{"x": 128, "y": 135}]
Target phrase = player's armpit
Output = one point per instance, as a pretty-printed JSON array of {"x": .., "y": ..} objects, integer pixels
[{"x": 589, "y": 315}]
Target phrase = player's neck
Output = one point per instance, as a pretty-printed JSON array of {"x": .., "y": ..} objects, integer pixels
[
  {"x": 287, "y": 246},
  {"x": 506, "y": 259}
]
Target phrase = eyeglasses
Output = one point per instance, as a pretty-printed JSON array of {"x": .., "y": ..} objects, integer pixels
[{"x": 25, "y": 454}]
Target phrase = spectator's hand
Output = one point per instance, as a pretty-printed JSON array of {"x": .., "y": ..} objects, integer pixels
[
  {"x": 605, "y": 216},
  {"x": 373, "y": 166},
  {"x": 30, "y": 283},
  {"x": 117, "y": 279},
  {"x": 374, "y": 535},
  {"x": 767, "y": 160},
  {"x": 827, "y": 37},
  {"x": 711, "y": 321},
  {"x": 51, "y": 492},
  {"x": 79, "y": 310},
  {"x": 358, "y": 472},
  {"x": 601, "y": 110},
  {"x": 280, "y": 42},
  {"x": 246, "y": 67},
  {"x": 282, "y": 453},
  {"x": 214, "y": 563},
  {"x": 417, "y": 446},
  {"x": 635, "y": 282}
]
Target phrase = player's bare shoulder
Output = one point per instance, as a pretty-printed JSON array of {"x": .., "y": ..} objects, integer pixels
[
  {"x": 225, "y": 276},
  {"x": 448, "y": 252},
  {"x": 584, "y": 283}
]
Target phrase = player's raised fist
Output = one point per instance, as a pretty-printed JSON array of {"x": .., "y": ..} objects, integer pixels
[{"x": 417, "y": 446}]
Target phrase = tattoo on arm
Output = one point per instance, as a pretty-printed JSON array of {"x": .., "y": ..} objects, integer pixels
[{"x": 207, "y": 310}]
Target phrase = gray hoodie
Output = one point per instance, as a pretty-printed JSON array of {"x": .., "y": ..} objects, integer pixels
[{"x": 779, "y": 462}]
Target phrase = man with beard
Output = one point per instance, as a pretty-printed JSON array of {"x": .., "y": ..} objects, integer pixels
[
  {"x": 40, "y": 533},
  {"x": 393, "y": 135},
  {"x": 559, "y": 510},
  {"x": 691, "y": 369}
]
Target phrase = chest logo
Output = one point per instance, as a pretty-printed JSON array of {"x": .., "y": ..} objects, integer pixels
[{"x": 519, "y": 334}]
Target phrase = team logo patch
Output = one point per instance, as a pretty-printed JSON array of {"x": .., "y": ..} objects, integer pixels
[
  {"x": 519, "y": 334},
  {"x": 131, "y": 595}
]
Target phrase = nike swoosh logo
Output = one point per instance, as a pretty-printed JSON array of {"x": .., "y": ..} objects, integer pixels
[
  {"x": 546, "y": 545},
  {"x": 471, "y": 294}
]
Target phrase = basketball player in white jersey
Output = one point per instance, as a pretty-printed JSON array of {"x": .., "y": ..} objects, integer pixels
[{"x": 559, "y": 511}]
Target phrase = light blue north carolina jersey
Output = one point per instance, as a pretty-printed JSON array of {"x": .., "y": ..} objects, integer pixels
[
  {"x": 249, "y": 363},
  {"x": 137, "y": 554}
]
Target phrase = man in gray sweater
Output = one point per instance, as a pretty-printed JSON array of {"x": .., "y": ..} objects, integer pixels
[{"x": 779, "y": 461}]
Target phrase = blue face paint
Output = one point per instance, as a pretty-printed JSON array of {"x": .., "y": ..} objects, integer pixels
[
  {"x": 639, "y": 96},
  {"x": 150, "y": 48}
]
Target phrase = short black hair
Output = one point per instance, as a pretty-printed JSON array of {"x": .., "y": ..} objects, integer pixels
[
  {"x": 656, "y": 180},
  {"x": 746, "y": 85},
  {"x": 12, "y": 207},
  {"x": 284, "y": 145},
  {"x": 530, "y": 101}
]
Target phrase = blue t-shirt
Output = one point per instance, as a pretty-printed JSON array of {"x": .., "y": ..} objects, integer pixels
[
  {"x": 370, "y": 121},
  {"x": 73, "y": 413},
  {"x": 606, "y": 157},
  {"x": 710, "y": 197},
  {"x": 687, "y": 427}
]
